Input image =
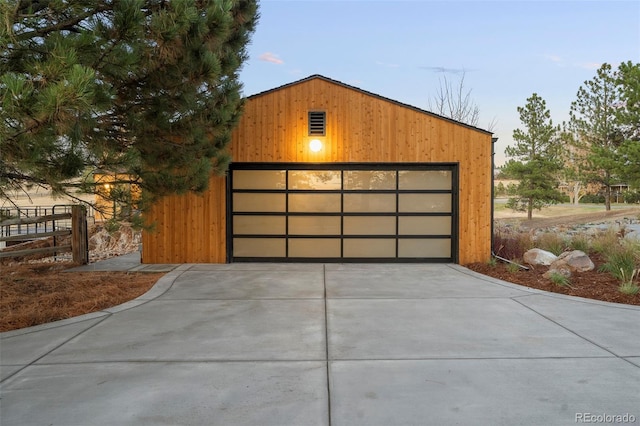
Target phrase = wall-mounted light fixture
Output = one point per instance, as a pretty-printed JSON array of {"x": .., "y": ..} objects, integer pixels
[{"x": 315, "y": 145}]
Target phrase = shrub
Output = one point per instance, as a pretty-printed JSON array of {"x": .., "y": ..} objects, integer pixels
[
  {"x": 512, "y": 268},
  {"x": 580, "y": 242},
  {"x": 623, "y": 261},
  {"x": 558, "y": 279},
  {"x": 592, "y": 199},
  {"x": 629, "y": 287},
  {"x": 631, "y": 197},
  {"x": 605, "y": 241},
  {"x": 511, "y": 246},
  {"x": 554, "y": 243}
]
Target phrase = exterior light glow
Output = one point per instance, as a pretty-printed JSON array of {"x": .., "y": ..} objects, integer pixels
[{"x": 315, "y": 145}]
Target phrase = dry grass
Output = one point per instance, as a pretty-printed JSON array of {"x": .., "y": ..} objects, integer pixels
[
  {"x": 32, "y": 294},
  {"x": 554, "y": 243},
  {"x": 512, "y": 245}
]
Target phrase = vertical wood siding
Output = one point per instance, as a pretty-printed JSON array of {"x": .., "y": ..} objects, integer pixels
[
  {"x": 360, "y": 127},
  {"x": 188, "y": 228}
]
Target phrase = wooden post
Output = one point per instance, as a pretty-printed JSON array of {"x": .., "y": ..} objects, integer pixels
[{"x": 79, "y": 237}]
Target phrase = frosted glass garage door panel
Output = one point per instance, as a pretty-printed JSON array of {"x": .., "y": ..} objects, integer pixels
[
  {"x": 259, "y": 247},
  {"x": 314, "y": 203},
  {"x": 425, "y": 179},
  {"x": 315, "y": 179},
  {"x": 369, "y": 203},
  {"x": 424, "y": 225},
  {"x": 248, "y": 202},
  {"x": 424, "y": 203},
  {"x": 424, "y": 247},
  {"x": 268, "y": 225},
  {"x": 314, "y": 247},
  {"x": 369, "y": 225},
  {"x": 370, "y": 179},
  {"x": 259, "y": 179},
  {"x": 369, "y": 247},
  {"x": 314, "y": 225}
]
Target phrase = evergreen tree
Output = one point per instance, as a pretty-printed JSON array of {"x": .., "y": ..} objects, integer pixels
[
  {"x": 572, "y": 172},
  {"x": 595, "y": 130},
  {"x": 628, "y": 115},
  {"x": 146, "y": 89},
  {"x": 535, "y": 159}
]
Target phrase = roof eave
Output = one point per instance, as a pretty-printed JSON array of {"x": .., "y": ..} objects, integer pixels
[{"x": 365, "y": 92}]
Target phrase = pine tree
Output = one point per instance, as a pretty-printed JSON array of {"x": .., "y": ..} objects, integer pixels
[
  {"x": 146, "y": 89},
  {"x": 535, "y": 159},
  {"x": 596, "y": 131},
  {"x": 628, "y": 116}
]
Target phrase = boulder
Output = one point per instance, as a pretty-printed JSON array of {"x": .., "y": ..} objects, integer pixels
[
  {"x": 539, "y": 257},
  {"x": 559, "y": 266},
  {"x": 576, "y": 261}
]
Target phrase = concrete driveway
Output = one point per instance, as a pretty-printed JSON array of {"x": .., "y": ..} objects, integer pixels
[{"x": 334, "y": 344}]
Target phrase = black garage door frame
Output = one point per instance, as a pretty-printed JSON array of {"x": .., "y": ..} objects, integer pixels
[{"x": 453, "y": 234}]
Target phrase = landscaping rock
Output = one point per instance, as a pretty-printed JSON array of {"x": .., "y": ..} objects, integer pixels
[
  {"x": 103, "y": 245},
  {"x": 576, "y": 261},
  {"x": 559, "y": 267},
  {"x": 539, "y": 257}
]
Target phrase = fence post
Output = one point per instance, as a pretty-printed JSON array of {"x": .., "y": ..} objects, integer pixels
[{"x": 79, "y": 238}]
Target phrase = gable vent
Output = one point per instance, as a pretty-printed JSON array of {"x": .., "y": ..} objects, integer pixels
[{"x": 317, "y": 121}]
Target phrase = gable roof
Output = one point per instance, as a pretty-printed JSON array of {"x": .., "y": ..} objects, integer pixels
[{"x": 347, "y": 86}]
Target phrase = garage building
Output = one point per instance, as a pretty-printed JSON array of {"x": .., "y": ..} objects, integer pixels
[{"x": 325, "y": 172}]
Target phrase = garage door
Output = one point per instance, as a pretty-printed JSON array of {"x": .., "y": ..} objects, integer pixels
[{"x": 342, "y": 212}]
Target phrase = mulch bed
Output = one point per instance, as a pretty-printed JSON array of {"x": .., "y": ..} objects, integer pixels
[
  {"x": 591, "y": 285},
  {"x": 38, "y": 293}
]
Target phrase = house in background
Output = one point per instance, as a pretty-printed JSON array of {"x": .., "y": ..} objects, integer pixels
[{"x": 326, "y": 172}]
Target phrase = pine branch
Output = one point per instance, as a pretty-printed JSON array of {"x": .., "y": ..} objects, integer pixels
[{"x": 68, "y": 25}]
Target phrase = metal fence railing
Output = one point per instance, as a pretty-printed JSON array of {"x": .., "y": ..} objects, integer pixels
[
  {"x": 37, "y": 211},
  {"x": 36, "y": 223}
]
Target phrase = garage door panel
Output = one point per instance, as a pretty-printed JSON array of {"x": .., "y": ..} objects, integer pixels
[
  {"x": 314, "y": 225},
  {"x": 424, "y": 225},
  {"x": 370, "y": 247},
  {"x": 259, "y": 179},
  {"x": 425, "y": 180},
  {"x": 369, "y": 225},
  {"x": 314, "y": 203},
  {"x": 315, "y": 179},
  {"x": 424, "y": 248},
  {"x": 369, "y": 180},
  {"x": 424, "y": 203},
  {"x": 251, "y": 202},
  {"x": 259, "y": 247},
  {"x": 254, "y": 225},
  {"x": 314, "y": 247},
  {"x": 372, "y": 203}
]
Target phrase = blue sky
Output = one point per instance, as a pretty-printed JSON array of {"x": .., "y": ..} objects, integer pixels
[{"x": 401, "y": 49}]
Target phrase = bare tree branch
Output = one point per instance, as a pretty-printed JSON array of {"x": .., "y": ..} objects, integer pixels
[{"x": 455, "y": 102}]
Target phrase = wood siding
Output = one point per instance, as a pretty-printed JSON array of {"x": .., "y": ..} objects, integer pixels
[{"x": 360, "y": 127}]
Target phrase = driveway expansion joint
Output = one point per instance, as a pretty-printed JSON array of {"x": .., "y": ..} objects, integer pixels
[
  {"x": 326, "y": 343},
  {"x": 64, "y": 342},
  {"x": 570, "y": 330}
]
